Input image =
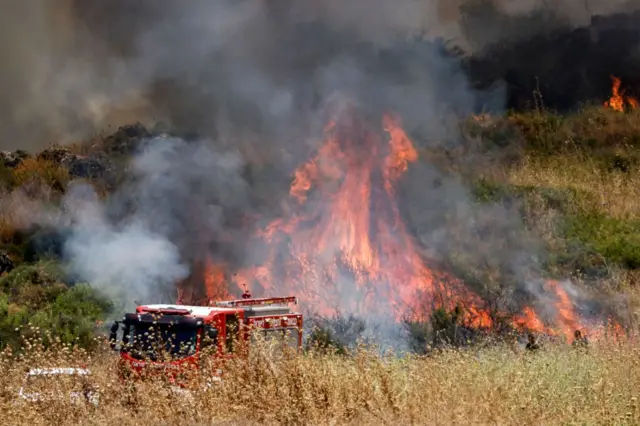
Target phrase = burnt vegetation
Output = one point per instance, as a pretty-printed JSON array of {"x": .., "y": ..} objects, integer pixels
[{"x": 558, "y": 66}]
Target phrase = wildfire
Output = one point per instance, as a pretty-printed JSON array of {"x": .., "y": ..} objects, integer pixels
[
  {"x": 214, "y": 281},
  {"x": 215, "y": 284},
  {"x": 618, "y": 99},
  {"x": 346, "y": 238},
  {"x": 345, "y": 246}
]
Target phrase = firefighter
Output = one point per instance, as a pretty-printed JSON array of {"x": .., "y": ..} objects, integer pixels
[
  {"x": 532, "y": 343},
  {"x": 579, "y": 340}
]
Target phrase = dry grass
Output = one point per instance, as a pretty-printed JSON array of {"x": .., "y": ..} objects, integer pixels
[
  {"x": 501, "y": 385},
  {"x": 33, "y": 170},
  {"x": 594, "y": 152},
  {"x": 616, "y": 195}
]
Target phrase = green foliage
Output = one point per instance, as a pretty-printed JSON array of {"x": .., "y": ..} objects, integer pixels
[
  {"x": 324, "y": 340},
  {"x": 616, "y": 240},
  {"x": 606, "y": 138},
  {"x": 71, "y": 317},
  {"x": 560, "y": 199},
  {"x": 7, "y": 180},
  {"x": 35, "y": 298},
  {"x": 540, "y": 131},
  {"x": 44, "y": 274},
  {"x": 588, "y": 241},
  {"x": 445, "y": 325},
  {"x": 419, "y": 336},
  {"x": 337, "y": 334},
  {"x": 486, "y": 191}
]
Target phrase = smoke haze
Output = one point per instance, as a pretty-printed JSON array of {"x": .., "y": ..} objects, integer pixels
[
  {"x": 256, "y": 81},
  {"x": 74, "y": 67},
  {"x": 174, "y": 209}
]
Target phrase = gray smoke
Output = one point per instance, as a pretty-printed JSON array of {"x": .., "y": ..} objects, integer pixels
[
  {"x": 256, "y": 80},
  {"x": 125, "y": 261},
  {"x": 139, "y": 243},
  {"x": 76, "y": 67}
]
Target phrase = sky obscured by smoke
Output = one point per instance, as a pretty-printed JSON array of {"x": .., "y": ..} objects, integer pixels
[{"x": 73, "y": 67}]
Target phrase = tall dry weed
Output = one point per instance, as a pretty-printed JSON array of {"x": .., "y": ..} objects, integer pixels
[{"x": 500, "y": 385}]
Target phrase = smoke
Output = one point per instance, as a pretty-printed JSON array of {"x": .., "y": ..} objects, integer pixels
[
  {"x": 127, "y": 262},
  {"x": 173, "y": 210},
  {"x": 256, "y": 81},
  {"x": 80, "y": 66},
  {"x": 56, "y": 85}
]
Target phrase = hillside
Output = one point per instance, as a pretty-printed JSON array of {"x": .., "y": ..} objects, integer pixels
[
  {"x": 572, "y": 180},
  {"x": 449, "y": 190}
]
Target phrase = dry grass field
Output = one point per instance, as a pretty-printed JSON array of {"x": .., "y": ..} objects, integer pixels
[{"x": 497, "y": 385}]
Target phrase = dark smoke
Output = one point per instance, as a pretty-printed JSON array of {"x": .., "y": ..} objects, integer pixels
[
  {"x": 258, "y": 92},
  {"x": 567, "y": 66},
  {"x": 78, "y": 66}
]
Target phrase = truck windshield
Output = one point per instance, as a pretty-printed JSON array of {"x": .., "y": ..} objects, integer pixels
[{"x": 158, "y": 341}]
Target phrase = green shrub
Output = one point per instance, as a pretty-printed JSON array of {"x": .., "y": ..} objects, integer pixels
[
  {"x": 35, "y": 299},
  {"x": 45, "y": 273},
  {"x": 616, "y": 240},
  {"x": 563, "y": 200},
  {"x": 7, "y": 179},
  {"x": 324, "y": 340}
]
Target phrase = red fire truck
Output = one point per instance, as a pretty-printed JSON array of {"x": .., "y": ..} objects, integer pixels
[{"x": 168, "y": 339}]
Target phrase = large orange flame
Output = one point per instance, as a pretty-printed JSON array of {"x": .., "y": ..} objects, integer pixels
[
  {"x": 214, "y": 281},
  {"x": 345, "y": 245},
  {"x": 618, "y": 99},
  {"x": 350, "y": 242},
  {"x": 190, "y": 292}
]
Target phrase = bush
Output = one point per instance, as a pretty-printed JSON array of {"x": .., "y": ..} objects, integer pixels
[
  {"x": 338, "y": 333},
  {"x": 37, "y": 295},
  {"x": 42, "y": 171},
  {"x": 587, "y": 241},
  {"x": 618, "y": 241}
]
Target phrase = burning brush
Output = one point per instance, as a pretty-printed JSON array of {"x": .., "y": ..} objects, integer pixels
[
  {"x": 345, "y": 244},
  {"x": 618, "y": 100}
]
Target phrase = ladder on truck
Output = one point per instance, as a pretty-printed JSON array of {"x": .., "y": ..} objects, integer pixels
[{"x": 261, "y": 306}]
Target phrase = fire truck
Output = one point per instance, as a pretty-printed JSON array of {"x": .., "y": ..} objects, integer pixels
[{"x": 168, "y": 339}]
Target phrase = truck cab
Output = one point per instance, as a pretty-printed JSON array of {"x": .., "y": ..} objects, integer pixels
[{"x": 168, "y": 339}]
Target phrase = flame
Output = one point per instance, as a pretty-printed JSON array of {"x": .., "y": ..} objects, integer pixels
[
  {"x": 342, "y": 245},
  {"x": 566, "y": 317},
  {"x": 212, "y": 275},
  {"x": 529, "y": 320},
  {"x": 215, "y": 282},
  {"x": 618, "y": 99},
  {"x": 346, "y": 238}
]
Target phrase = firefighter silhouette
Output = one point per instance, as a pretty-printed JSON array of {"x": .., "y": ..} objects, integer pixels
[
  {"x": 532, "y": 343},
  {"x": 580, "y": 340}
]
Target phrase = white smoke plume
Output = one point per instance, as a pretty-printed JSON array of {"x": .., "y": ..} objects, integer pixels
[
  {"x": 127, "y": 262},
  {"x": 136, "y": 245}
]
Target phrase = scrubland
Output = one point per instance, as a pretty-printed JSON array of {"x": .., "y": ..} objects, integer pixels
[{"x": 575, "y": 180}]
